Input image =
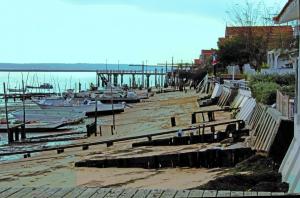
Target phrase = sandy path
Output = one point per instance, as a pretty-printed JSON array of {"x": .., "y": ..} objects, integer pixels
[{"x": 50, "y": 169}]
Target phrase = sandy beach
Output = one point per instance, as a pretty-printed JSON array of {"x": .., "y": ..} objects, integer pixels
[{"x": 50, "y": 169}]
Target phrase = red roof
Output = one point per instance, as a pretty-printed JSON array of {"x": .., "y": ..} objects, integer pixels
[
  {"x": 260, "y": 30},
  {"x": 272, "y": 33},
  {"x": 208, "y": 52}
]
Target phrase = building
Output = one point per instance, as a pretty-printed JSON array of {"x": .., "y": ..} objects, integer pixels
[
  {"x": 290, "y": 167},
  {"x": 275, "y": 36}
]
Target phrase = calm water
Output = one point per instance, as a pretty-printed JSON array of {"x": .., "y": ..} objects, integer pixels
[{"x": 65, "y": 80}]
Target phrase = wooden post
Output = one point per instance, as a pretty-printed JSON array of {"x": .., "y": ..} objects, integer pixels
[
  {"x": 16, "y": 130},
  {"x": 23, "y": 133},
  {"x": 96, "y": 114},
  {"x": 112, "y": 108},
  {"x": 121, "y": 79},
  {"x": 10, "y": 139},
  {"x": 112, "y": 130},
  {"x": 194, "y": 120},
  {"x": 155, "y": 77},
  {"x": 173, "y": 122},
  {"x": 143, "y": 71}
]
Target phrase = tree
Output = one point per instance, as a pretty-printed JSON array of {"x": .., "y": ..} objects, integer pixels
[{"x": 255, "y": 36}]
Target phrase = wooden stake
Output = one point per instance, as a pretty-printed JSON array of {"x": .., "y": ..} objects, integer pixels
[
  {"x": 6, "y": 114},
  {"x": 23, "y": 134}
]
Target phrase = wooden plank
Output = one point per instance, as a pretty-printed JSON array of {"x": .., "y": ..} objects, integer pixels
[
  {"x": 62, "y": 192},
  {"x": 23, "y": 192},
  {"x": 196, "y": 193},
  {"x": 101, "y": 192},
  {"x": 210, "y": 193},
  {"x": 115, "y": 192},
  {"x": 89, "y": 192},
  {"x": 264, "y": 194},
  {"x": 182, "y": 194},
  {"x": 47, "y": 193},
  {"x": 223, "y": 193},
  {"x": 277, "y": 193},
  {"x": 75, "y": 192},
  {"x": 142, "y": 193},
  {"x": 128, "y": 193},
  {"x": 155, "y": 193},
  {"x": 237, "y": 194},
  {"x": 35, "y": 192},
  {"x": 9, "y": 192},
  {"x": 250, "y": 194},
  {"x": 169, "y": 194},
  {"x": 2, "y": 189}
]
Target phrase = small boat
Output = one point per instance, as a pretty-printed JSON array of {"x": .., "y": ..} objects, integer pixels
[
  {"x": 42, "y": 86},
  {"x": 117, "y": 97},
  {"x": 78, "y": 105}
]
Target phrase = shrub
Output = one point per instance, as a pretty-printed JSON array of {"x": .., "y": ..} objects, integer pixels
[
  {"x": 264, "y": 87},
  {"x": 265, "y": 92}
]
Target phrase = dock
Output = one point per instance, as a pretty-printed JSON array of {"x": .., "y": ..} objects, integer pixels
[
  {"x": 112, "y": 76},
  {"x": 128, "y": 193}
]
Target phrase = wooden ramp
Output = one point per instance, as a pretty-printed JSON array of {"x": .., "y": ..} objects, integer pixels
[{"x": 126, "y": 193}]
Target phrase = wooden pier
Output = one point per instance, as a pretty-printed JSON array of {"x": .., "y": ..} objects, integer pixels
[
  {"x": 112, "y": 76},
  {"x": 127, "y": 193}
]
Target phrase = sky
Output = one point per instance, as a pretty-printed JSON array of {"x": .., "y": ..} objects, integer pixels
[{"x": 96, "y": 31}]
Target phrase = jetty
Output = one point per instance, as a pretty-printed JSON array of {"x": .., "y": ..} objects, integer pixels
[{"x": 113, "y": 75}]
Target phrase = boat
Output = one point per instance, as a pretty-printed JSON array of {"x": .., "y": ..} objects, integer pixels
[
  {"x": 42, "y": 86},
  {"x": 79, "y": 105},
  {"x": 15, "y": 90}
]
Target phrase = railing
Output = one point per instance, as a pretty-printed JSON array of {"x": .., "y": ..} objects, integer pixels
[
  {"x": 129, "y": 72},
  {"x": 285, "y": 104}
]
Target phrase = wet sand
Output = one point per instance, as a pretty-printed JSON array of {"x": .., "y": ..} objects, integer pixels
[{"x": 152, "y": 115}]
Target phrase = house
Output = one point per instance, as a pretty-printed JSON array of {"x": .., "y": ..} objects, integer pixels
[
  {"x": 276, "y": 36},
  {"x": 290, "y": 167}
]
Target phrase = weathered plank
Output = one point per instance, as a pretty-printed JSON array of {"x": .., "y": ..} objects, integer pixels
[
  {"x": 182, "y": 194},
  {"x": 101, "y": 192},
  {"x": 237, "y": 194},
  {"x": 223, "y": 193},
  {"x": 168, "y": 194},
  {"x": 142, "y": 193},
  {"x": 196, "y": 193},
  {"x": 35, "y": 192},
  {"x": 47, "y": 193},
  {"x": 250, "y": 194},
  {"x": 277, "y": 193},
  {"x": 89, "y": 192},
  {"x": 210, "y": 193},
  {"x": 9, "y": 192},
  {"x": 75, "y": 192},
  {"x": 115, "y": 192},
  {"x": 2, "y": 189},
  {"x": 264, "y": 193},
  {"x": 61, "y": 193},
  {"x": 155, "y": 193},
  {"x": 128, "y": 193},
  {"x": 23, "y": 192}
]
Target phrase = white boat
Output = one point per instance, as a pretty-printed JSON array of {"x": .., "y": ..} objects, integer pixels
[{"x": 80, "y": 105}]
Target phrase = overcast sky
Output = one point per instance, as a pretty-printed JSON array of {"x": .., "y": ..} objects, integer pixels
[{"x": 91, "y": 31}]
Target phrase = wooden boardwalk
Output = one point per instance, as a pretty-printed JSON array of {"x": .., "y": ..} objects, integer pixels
[{"x": 124, "y": 193}]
